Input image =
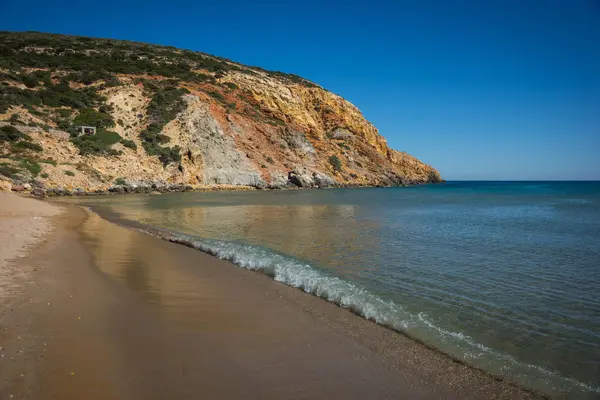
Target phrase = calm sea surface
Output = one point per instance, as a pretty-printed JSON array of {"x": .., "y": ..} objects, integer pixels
[{"x": 504, "y": 276}]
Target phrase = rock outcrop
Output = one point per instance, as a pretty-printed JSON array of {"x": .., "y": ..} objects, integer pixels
[{"x": 217, "y": 123}]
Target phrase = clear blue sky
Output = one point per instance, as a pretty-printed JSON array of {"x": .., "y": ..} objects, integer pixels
[{"x": 481, "y": 89}]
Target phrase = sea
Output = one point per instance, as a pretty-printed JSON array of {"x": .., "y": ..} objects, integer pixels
[{"x": 503, "y": 276}]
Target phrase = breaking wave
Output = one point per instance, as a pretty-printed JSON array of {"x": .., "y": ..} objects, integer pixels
[{"x": 360, "y": 301}]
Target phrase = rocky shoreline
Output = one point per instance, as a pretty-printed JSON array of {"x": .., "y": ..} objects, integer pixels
[{"x": 296, "y": 180}]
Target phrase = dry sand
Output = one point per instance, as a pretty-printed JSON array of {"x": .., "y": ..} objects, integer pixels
[{"x": 111, "y": 313}]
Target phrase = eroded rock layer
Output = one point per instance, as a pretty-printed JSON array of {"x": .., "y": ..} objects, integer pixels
[{"x": 173, "y": 118}]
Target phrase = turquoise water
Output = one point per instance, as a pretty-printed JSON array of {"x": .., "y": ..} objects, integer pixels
[{"x": 504, "y": 276}]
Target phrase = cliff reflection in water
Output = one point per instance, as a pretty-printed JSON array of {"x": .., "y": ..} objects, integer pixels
[
  {"x": 162, "y": 277},
  {"x": 330, "y": 235}
]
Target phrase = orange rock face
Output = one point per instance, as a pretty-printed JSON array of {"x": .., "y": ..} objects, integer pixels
[{"x": 240, "y": 127}]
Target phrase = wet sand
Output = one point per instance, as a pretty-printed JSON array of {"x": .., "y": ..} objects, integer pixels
[{"x": 111, "y": 313}]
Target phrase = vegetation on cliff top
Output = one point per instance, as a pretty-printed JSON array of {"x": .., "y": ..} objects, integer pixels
[{"x": 41, "y": 50}]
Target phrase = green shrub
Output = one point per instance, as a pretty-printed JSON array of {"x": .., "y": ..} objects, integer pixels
[
  {"x": 25, "y": 145},
  {"x": 91, "y": 117},
  {"x": 70, "y": 173},
  {"x": 8, "y": 171},
  {"x": 98, "y": 144},
  {"x": 11, "y": 96},
  {"x": 269, "y": 160},
  {"x": 105, "y": 108},
  {"x": 335, "y": 163},
  {"x": 165, "y": 154},
  {"x": 119, "y": 181},
  {"x": 31, "y": 165},
  {"x": 29, "y": 81},
  {"x": 164, "y": 107},
  {"x": 43, "y": 76},
  {"x": 44, "y": 175},
  {"x": 48, "y": 161},
  {"x": 129, "y": 144},
  {"x": 91, "y": 76},
  {"x": 62, "y": 95},
  {"x": 108, "y": 137},
  {"x": 231, "y": 85},
  {"x": 217, "y": 96},
  {"x": 64, "y": 112},
  {"x": 14, "y": 118},
  {"x": 35, "y": 112},
  {"x": 63, "y": 124},
  {"x": 11, "y": 134}
]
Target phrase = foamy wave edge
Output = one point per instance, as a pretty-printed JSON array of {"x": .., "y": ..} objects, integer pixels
[{"x": 369, "y": 306}]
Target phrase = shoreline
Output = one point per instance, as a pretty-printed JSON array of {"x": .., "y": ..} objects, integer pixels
[
  {"x": 352, "y": 346},
  {"x": 40, "y": 190},
  {"x": 168, "y": 236}
]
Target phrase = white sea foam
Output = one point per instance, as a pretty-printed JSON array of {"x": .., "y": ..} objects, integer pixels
[{"x": 351, "y": 296}]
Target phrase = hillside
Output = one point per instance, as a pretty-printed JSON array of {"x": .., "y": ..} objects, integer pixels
[{"x": 167, "y": 118}]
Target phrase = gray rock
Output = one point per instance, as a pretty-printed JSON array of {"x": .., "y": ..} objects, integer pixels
[
  {"x": 38, "y": 192},
  {"x": 176, "y": 188},
  {"x": 341, "y": 133},
  {"x": 18, "y": 188},
  {"x": 117, "y": 189},
  {"x": 322, "y": 180},
  {"x": 38, "y": 184},
  {"x": 301, "y": 177},
  {"x": 142, "y": 189},
  {"x": 59, "y": 191},
  {"x": 278, "y": 181},
  {"x": 306, "y": 177},
  {"x": 297, "y": 140}
]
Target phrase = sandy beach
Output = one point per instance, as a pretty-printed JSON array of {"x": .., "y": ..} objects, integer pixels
[{"x": 93, "y": 310}]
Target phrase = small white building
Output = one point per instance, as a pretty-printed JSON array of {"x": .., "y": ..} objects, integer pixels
[{"x": 86, "y": 130}]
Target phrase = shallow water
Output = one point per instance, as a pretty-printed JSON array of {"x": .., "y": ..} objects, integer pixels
[{"x": 504, "y": 276}]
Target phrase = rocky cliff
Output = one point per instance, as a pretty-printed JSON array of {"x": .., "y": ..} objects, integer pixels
[{"x": 166, "y": 117}]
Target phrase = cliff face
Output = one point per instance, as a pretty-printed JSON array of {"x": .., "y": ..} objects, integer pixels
[{"x": 170, "y": 117}]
